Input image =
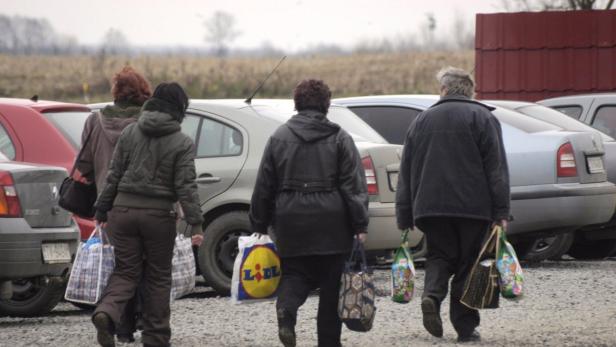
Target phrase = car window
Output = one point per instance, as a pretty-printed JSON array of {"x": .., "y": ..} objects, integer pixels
[
  {"x": 218, "y": 140},
  {"x": 572, "y": 111},
  {"x": 6, "y": 144},
  {"x": 190, "y": 126},
  {"x": 70, "y": 124},
  {"x": 549, "y": 115},
  {"x": 605, "y": 120},
  {"x": 391, "y": 122},
  {"x": 522, "y": 122}
]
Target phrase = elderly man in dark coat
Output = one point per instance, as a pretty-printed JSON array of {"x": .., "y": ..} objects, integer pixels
[{"x": 453, "y": 185}]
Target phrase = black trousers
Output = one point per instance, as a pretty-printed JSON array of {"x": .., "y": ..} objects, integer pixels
[
  {"x": 453, "y": 247},
  {"x": 138, "y": 234},
  {"x": 302, "y": 274}
]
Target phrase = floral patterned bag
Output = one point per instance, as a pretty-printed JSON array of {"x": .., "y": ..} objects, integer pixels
[{"x": 511, "y": 278}]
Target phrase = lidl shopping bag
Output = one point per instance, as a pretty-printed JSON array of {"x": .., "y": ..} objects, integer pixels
[
  {"x": 183, "y": 268},
  {"x": 91, "y": 270},
  {"x": 511, "y": 278},
  {"x": 256, "y": 273},
  {"x": 403, "y": 273}
]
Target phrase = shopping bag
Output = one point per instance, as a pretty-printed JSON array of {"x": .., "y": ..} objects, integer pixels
[
  {"x": 256, "y": 272},
  {"x": 403, "y": 273},
  {"x": 356, "y": 306},
  {"x": 481, "y": 289},
  {"x": 511, "y": 276},
  {"x": 91, "y": 270},
  {"x": 183, "y": 268}
]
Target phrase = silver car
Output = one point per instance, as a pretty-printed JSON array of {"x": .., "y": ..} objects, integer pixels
[
  {"x": 593, "y": 242},
  {"x": 230, "y": 136},
  {"x": 558, "y": 182}
]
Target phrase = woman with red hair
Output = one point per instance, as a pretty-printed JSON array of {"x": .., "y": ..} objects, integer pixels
[{"x": 100, "y": 135}]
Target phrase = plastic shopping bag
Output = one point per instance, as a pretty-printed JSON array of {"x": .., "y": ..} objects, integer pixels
[
  {"x": 183, "y": 268},
  {"x": 402, "y": 273},
  {"x": 256, "y": 272},
  {"x": 91, "y": 270},
  {"x": 509, "y": 269}
]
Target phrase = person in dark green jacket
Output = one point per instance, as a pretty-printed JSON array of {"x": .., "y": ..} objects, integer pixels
[{"x": 152, "y": 168}]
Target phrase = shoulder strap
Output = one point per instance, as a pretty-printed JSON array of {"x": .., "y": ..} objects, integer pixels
[{"x": 85, "y": 144}]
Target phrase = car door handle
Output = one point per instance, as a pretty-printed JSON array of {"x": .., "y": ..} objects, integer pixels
[{"x": 208, "y": 180}]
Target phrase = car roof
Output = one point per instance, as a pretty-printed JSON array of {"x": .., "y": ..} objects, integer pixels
[
  {"x": 419, "y": 100},
  {"x": 43, "y": 105},
  {"x": 583, "y": 96}
]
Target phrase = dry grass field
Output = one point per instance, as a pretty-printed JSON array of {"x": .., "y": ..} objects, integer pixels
[{"x": 86, "y": 78}]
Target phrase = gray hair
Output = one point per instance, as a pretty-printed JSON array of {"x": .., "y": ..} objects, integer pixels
[{"x": 456, "y": 81}]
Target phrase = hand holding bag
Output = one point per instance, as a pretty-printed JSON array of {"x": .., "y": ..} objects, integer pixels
[
  {"x": 402, "y": 273},
  {"x": 356, "y": 300},
  {"x": 91, "y": 270},
  {"x": 481, "y": 289},
  {"x": 78, "y": 197}
]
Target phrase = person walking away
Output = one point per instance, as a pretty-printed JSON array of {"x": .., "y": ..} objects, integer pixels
[
  {"x": 311, "y": 188},
  {"x": 99, "y": 137},
  {"x": 453, "y": 184},
  {"x": 152, "y": 168}
]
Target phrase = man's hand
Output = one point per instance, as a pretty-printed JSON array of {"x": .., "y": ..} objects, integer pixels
[
  {"x": 197, "y": 239},
  {"x": 361, "y": 237},
  {"x": 100, "y": 224},
  {"x": 503, "y": 223}
]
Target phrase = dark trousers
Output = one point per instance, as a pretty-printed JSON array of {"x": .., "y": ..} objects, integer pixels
[
  {"x": 300, "y": 275},
  {"x": 453, "y": 247},
  {"x": 139, "y": 234}
]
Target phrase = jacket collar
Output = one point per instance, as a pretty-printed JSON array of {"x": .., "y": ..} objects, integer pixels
[{"x": 462, "y": 98}]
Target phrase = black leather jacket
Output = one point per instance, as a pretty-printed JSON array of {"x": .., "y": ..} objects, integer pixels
[{"x": 311, "y": 187}]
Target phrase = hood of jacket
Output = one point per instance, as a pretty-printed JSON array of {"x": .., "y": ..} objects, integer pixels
[
  {"x": 158, "y": 118},
  {"x": 114, "y": 118},
  {"x": 311, "y": 126}
]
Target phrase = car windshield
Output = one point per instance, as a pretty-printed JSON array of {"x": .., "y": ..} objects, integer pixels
[
  {"x": 522, "y": 122},
  {"x": 549, "y": 115},
  {"x": 349, "y": 121},
  {"x": 70, "y": 124}
]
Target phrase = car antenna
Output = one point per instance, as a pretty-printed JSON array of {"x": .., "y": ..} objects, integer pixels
[
  {"x": 249, "y": 100},
  {"x": 34, "y": 98}
]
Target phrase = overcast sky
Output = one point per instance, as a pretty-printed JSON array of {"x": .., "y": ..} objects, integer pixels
[{"x": 287, "y": 24}]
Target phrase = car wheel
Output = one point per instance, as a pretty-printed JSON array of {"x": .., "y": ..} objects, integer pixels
[
  {"x": 565, "y": 245},
  {"x": 595, "y": 249},
  {"x": 544, "y": 248},
  {"x": 32, "y": 299},
  {"x": 219, "y": 248}
]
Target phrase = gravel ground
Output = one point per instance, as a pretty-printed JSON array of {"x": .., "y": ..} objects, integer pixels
[{"x": 568, "y": 303}]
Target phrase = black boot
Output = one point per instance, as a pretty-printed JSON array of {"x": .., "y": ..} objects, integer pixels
[
  {"x": 104, "y": 329},
  {"x": 432, "y": 316},
  {"x": 472, "y": 337},
  {"x": 286, "y": 328}
]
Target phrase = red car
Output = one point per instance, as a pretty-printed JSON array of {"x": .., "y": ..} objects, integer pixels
[{"x": 45, "y": 132}]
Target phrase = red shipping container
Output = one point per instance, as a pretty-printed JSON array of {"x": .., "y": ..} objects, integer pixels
[{"x": 535, "y": 55}]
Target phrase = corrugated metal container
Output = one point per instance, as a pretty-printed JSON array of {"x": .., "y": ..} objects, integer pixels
[{"x": 537, "y": 55}]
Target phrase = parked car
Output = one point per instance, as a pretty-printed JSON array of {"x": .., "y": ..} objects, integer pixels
[
  {"x": 230, "y": 136},
  {"x": 43, "y": 132},
  {"x": 551, "y": 191},
  {"x": 38, "y": 239},
  {"x": 597, "y": 110},
  {"x": 592, "y": 242}
]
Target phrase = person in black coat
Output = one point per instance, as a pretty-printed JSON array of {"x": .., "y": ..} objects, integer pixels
[
  {"x": 453, "y": 185},
  {"x": 311, "y": 188}
]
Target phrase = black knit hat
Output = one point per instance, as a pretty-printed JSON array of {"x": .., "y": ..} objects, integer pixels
[{"x": 175, "y": 95}]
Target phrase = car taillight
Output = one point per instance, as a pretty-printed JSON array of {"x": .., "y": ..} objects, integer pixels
[
  {"x": 9, "y": 202},
  {"x": 565, "y": 161},
  {"x": 373, "y": 188}
]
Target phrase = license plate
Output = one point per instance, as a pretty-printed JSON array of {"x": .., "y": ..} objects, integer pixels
[
  {"x": 54, "y": 253},
  {"x": 595, "y": 165},
  {"x": 393, "y": 181}
]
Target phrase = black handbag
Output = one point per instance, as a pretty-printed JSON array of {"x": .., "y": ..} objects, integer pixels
[
  {"x": 482, "y": 289},
  {"x": 356, "y": 306},
  {"x": 75, "y": 196}
]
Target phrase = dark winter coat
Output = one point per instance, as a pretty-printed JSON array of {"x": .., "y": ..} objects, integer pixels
[
  {"x": 311, "y": 187},
  {"x": 453, "y": 165},
  {"x": 153, "y": 166},
  {"x": 104, "y": 129}
]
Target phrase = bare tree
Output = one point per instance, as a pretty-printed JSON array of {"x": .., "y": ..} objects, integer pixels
[
  {"x": 114, "y": 42},
  {"x": 463, "y": 35},
  {"x": 428, "y": 30},
  {"x": 221, "y": 32},
  {"x": 547, "y": 5}
]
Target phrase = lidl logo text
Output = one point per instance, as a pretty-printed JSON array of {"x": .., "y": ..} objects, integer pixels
[{"x": 268, "y": 273}]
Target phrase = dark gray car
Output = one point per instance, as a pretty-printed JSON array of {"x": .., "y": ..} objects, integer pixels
[{"x": 38, "y": 239}]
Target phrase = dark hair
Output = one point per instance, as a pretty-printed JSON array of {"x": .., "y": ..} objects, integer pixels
[
  {"x": 175, "y": 95},
  {"x": 312, "y": 94},
  {"x": 129, "y": 86}
]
